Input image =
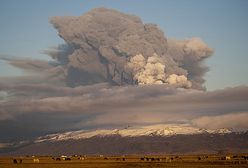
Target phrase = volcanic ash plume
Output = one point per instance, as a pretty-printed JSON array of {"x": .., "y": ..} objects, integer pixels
[
  {"x": 105, "y": 45},
  {"x": 152, "y": 71}
]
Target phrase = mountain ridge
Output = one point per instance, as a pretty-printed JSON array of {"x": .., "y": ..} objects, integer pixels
[
  {"x": 154, "y": 130},
  {"x": 141, "y": 145},
  {"x": 153, "y": 139}
]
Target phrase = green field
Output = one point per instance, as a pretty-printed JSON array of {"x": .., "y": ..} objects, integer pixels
[{"x": 124, "y": 162}]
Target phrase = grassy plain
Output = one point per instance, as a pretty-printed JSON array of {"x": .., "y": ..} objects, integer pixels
[{"x": 125, "y": 162}]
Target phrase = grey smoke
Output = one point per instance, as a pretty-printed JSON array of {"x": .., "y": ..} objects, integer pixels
[
  {"x": 35, "y": 71},
  {"x": 83, "y": 87},
  {"x": 40, "y": 109},
  {"x": 99, "y": 44}
]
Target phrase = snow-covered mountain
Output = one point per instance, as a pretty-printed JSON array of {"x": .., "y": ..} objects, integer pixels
[
  {"x": 145, "y": 140},
  {"x": 153, "y": 130}
]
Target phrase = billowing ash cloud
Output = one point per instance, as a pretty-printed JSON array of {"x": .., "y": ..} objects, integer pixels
[
  {"x": 152, "y": 71},
  {"x": 83, "y": 89},
  {"x": 105, "y": 45}
]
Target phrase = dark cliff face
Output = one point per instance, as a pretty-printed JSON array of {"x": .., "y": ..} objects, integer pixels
[{"x": 117, "y": 145}]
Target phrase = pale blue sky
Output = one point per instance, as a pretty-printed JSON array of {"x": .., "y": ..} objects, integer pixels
[{"x": 25, "y": 30}]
